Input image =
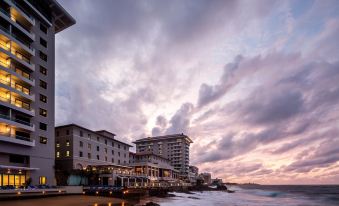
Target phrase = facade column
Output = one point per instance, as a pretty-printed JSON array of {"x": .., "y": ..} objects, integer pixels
[{"x": 127, "y": 181}]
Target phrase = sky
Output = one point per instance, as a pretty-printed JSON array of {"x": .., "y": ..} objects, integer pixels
[{"x": 255, "y": 84}]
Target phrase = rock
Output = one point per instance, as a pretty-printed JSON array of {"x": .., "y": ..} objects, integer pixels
[{"x": 151, "y": 204}]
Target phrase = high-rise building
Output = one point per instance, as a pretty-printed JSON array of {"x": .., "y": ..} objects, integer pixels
[
  {"x": 27, "y": 81},
  {"x": 173, "y": 147}
]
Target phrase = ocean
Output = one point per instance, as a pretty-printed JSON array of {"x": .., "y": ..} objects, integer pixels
[{"x": 257, "y": 195}]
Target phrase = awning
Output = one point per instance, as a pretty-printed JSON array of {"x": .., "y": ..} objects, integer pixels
[{"x": 17, "y": 168}]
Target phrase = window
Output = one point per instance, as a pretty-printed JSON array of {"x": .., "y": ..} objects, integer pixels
[
  {"x": 67, "y": 153},
  {"x": 89, "y": 146},
  {"x": 43, "y": 70},
  {"x": 98, "y": 157},
  {"x": 43, "y": 28},
  {"x": 89, "y": 136},
  {"x": 112, "y": 160},
  {"x": 43, "y": 42},
  {"x": 105, "y": 141},
  {"x": 112, "y": 152},
  {"x": 67, "y": 132},
  {"x": 119, "y": 154},
  {"x": 43, "y": 112},
  {"x": 43, "y": 98},
  {"x": 57, "y": 134},
  {"x": 98, "y": 139},
  {"x": 43, "y": 126},
  {"x": 98, "y": 149},
  {"x": 81, "y": 134},
  {"x": 43, "y": 56},
  {"x": 89, "y": 155},
  {"x": 43, "y": 84},
  {"x": 58, "y": 154},
  {"x": 67, "y": 143},
  {"x": 81, "y": 144},
  {"x": 42, "y": 180},
  {"x": 80, "y": 154},
  {"x": 118, "y": 161},
  {"x": 112, "y": 144},
  {"x": 57, "y": 144},
  {"x": 125, "y": 155},
  {"x": 18, "y": 159},
  {"x": 106, "y": 150},
  {"x": 106, "y": 159},
  {"x": 119, "y": 146},
  {"x": 125, "y": 148},
  {"x": 43, "y": 140}
]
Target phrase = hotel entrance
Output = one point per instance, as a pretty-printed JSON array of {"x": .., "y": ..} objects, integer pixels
[{"x": 15, "y": 180}]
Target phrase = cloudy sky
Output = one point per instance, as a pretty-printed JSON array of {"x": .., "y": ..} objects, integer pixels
[{"x": 255, "y": 84}]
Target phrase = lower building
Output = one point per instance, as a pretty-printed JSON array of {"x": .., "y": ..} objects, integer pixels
[
  {"x": 79, "y": 151},
  {"x": 206, "y": 177}
]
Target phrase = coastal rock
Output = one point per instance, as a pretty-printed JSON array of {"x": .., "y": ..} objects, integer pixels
[{"x": 151, "y": 204}]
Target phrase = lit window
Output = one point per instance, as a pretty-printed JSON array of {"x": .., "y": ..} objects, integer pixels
[
  {"x": 42, "y": 180},
  {"x": 67, "y": 143},
  {"x": 43, "y": 140},
  {"x": 57, "y": 144},
  {"x": 43, "y": 112},
  {"x": 58, "y": 154},
  {"x": 67, "y": 153}
]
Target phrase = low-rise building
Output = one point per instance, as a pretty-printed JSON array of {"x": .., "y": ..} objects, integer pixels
[
  {"x": 81, "y": 149},
  {"x": 206, "y": 177}
]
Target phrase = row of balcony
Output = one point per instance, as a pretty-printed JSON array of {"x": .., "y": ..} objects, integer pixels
[
  {"x": 18, "y": 88},
  {"x": 11, "y": 51},
  {"x": 6, "y": 65},
  {"x": 8, "y": 100},
  {"x": 16, "y": 18}
]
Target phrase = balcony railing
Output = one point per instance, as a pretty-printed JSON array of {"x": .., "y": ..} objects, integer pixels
[
  {"x": 28, "y": 139},
  {"x": 17, "y": 71},
  {"x": 27, "y": 44},
  {"x": 22, "y": 9},
  {"x": 16, "y": 120},
  {"x": 25, "y": 106},
  {"x": 17, "y": 87}
]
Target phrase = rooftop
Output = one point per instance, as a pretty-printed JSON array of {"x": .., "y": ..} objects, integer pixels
[
  {"x": 62, "y": 19},
  {"x": 96, "y": 132},
  {"x": 165, "y": 137}
]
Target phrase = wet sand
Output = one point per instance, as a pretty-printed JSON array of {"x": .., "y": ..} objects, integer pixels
[{"x": 73, "y": 200}]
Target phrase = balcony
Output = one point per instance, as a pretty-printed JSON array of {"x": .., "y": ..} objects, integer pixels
[
  {"x": 13, "y": 39},
  {"x": 16, "y": 139},
  {"x": 18, "y": 10},
  {"x": 17, "y": 122},
  {"x": 11, "y": 18},
  {"x": 15, "y": 104},
  {"x": 17, "y": 88},
  {"x": 16, "y": 72},
  {"x": 15, "y": 56}
]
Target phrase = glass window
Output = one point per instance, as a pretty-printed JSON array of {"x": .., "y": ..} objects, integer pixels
[
  {"x": 42, "y": 180},
  {"x": 81, "y": 134},
  {"x": 43, "y": 126},
  {"x": 5, "y": 179},
  {"x": 67, "y": 153},
  {"x": 58, "y": 154},
  {"x": 43, "y": 42},
  {"x": 43, "y": 140},
  {"x": 89, "y": 155},
  {"x": 43, "y": 84},
  {"x": 43, "y": 56},
  {"x": 43, "y": 28},
  {"x": 80, "y": 153},
  {"x": 43, "y": 112},
  {"x": 81, "y": 144},
  {"x": 43, "y": 70},
  {"x": 67, "y": 143},
  {"x": 43, "y": 98}
]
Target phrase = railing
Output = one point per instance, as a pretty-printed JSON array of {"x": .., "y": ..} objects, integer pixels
[
  {"x": 28, "y": 139},
  {"x": 16, "y": 120},
  {"x": 18, "y": 71},
  {"x": 12, "y": 102},
  {"x": 14, "y": 86},
  {"x": 5, "y": 12},
  {"x": 22, "y": 9},
  {"x": 27, "y": 44}
]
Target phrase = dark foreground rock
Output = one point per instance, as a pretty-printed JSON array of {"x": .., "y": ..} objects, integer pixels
[{"x": 151, "y": 204}]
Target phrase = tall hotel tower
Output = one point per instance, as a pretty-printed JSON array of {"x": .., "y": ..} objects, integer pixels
[{"x": 27, "y": 72}]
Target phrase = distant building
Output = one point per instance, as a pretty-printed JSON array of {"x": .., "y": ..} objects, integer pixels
[
  {"x": 155, "y": 167},
  {"x": 78, "y": 148},
  {"x": 206, "y": 177},
  {"x": 173, "y": 147},
  {"x": 216, "y": 181},
  {"x": 193, "y": 174},
  {"x": 27, "y": 89}
]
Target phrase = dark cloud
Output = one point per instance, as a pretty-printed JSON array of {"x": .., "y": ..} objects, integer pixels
[{"x": 180, "y": 121}]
